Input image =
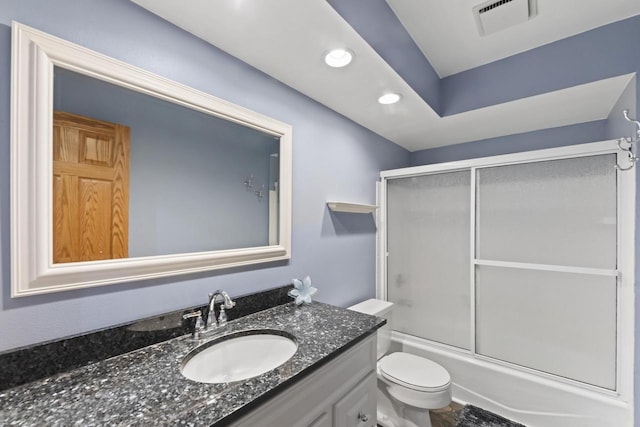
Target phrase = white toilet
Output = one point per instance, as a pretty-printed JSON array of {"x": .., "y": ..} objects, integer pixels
[{"x": 408, "y": 385}]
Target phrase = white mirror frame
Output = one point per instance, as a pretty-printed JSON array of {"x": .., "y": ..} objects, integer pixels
[{"x": 34, "y": 55}]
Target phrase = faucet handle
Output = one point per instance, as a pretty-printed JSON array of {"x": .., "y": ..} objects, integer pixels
[
  {"x": 199, "y": 326},
  {"x": 222, "y": 318},
  {"x": 228, "y": 302},
  {"x": 196, "y": 313}
]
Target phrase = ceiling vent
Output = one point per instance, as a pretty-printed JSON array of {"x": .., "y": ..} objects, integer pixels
[{"x": 496, "y": 15}]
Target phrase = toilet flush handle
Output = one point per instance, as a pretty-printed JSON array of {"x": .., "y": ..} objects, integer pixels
[{"x": 363, "y": 417}]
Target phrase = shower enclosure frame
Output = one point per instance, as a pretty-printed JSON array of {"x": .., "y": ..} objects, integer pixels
[{"x": 626, "y": 183}]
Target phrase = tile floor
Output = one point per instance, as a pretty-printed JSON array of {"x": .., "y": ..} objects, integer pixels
[{"x": 447, "y": 416}]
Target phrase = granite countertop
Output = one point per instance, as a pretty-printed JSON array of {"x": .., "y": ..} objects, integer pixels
[{"x": 145, "y": 387}]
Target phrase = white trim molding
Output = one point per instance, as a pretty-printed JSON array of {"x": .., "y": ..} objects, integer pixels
[{"x": 34, "y": 55}]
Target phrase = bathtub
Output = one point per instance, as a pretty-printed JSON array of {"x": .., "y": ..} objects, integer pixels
[{"x": 524, "y": 397}]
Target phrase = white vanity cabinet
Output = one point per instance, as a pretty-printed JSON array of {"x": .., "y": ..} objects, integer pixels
[{"x": 342, "y": 393}]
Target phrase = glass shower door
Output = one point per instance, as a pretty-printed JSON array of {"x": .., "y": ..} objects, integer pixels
[
  {"x": 428, "y": 256},
  {"x": 518, "y": 260},
  {"x": 546, "y": 294}
]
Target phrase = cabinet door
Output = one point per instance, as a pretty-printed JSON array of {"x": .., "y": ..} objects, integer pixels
[
  {"x": 358, "y": 407},
  {"x": 323, "y": 420}
]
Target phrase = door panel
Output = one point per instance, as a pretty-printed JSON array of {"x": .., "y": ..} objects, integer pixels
[{"x": 91, "y": 189}]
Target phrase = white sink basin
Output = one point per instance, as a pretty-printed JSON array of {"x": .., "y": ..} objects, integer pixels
[{"x": 239, "y": 356}]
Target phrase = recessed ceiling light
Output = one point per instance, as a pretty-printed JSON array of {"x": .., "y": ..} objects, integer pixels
[
  {"x": 389, "y": 98},
  {"x": 338, "y": 58}
]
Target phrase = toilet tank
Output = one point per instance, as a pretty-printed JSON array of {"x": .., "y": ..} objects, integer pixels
[{"x": 376, "y": 307}]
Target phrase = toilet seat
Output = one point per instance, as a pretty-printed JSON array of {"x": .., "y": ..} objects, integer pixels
[{"x": 414, "y": 372}]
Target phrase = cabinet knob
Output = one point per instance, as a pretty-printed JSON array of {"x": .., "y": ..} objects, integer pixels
[{"x": 363, "y": 417}]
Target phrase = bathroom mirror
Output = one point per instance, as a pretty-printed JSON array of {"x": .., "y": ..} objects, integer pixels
[{"x": 121, "y": 175}]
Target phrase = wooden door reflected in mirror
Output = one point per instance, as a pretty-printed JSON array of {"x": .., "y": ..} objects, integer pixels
[{"x": 90, "y": 189}]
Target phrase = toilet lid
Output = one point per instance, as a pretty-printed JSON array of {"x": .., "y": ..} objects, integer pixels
[{"x": 414, "y": 372}]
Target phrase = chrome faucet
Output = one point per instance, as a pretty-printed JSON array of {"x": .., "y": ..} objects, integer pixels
[{"x": 211, "y": 316}]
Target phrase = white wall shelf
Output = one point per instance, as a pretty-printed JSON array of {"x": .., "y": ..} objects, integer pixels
[{"x": 352, "y": 207}]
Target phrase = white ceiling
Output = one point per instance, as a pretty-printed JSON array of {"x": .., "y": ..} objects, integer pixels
[{"x": 287, "y": 38}]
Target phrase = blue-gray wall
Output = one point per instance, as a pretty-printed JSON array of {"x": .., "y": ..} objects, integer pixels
[
  {"x": 333, "y": 159},
  {"x": 187, "y": 169},
  {"x": 594, "y": 55},
  {"x": 537, "y": 140}
]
